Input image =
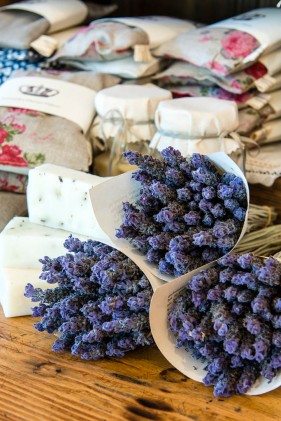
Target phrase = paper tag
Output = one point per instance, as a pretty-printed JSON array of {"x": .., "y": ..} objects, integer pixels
[
  {"x": 56, "y": 97},
  {"x": 45, "y": 45},
  {"x": 60, "y": 14},
  {"x": 258, "y": 101},
  {"x": 265, "y": 83},
  {"x": 142, "y": 53}
]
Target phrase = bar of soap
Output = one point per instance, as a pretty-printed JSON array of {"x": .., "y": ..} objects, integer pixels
[
  {"x": 12, "y": 287},
  {"x": 58, "y": 197},
  {"x": 23, "y": 243}
]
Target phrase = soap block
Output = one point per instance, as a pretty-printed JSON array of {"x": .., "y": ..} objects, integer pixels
[
  {"x": 12, "y": 287},
  {"x": 23, "y": 243},
  {"x": 58, "y": 197}
]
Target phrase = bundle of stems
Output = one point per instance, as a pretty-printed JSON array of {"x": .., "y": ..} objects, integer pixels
[
  {"x": 260, "y": 217},
  {"x": 262, "y": 242}
]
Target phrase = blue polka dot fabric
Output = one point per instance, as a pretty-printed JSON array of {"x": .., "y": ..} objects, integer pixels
[{"x": 11, "y": 59}]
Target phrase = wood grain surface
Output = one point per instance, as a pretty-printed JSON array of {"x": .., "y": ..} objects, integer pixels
[{"x": 37, "y": 384}]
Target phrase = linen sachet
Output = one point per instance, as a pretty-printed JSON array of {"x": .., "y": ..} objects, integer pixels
[{"x": 30, "y": 137}]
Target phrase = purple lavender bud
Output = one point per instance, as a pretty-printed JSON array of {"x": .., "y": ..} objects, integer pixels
[
  {"x": 172, "y": 156},
  {"x": 140, "y": 243},
  {"x": 247, "y": 379},
  {"x": 196, "y": 186},
  {"x": 239, "y": 190},
  {"x": 209, "y": 193},
  {"x": 226, "y": 384},
  {"x": 193, "y": 205},
  {"x": 236, "y": 361},
  {"x": 153, "y": 166},
  {"x": 160, "y": 241},
  {"x": 142, "y": 177},
  {"x": 205, "y": 205},
  {"x": 125, "y": 231},
  {"x": 231, "y": 204},
  {"x": 174, "y": 178},
  {"x": 227, "y": 178},
  {"x": 224, "y": 191},
  {"x": 259, "y": 305},
  {"x": 181, "y": 243},
  {"x": 276, "y": 338},
  {"x": 216, "y": 293},
  {"x": 186, "y": 167},
  {"x": 245, "y": 296},
  {"x": 238, "y": 309},
  {"x": 226, "y": 275},
  {"x": 210, "y": 254},
  {"x": 276, "y": 304},
  {"x": 198, "y": 297},
  {"x": 276, "y": 321},
  {"x": 228, "y": 261},
  {"x": 218, "y": 210},
  {"x": 170, "y": 213},
  {"x": 184, "y": 194},
  {"x": 192, "y": 218},
  {"x": 198, "y": 160},
  {"x": 154, "y": 255},
  {"x": 165, "y": 267},
  {"x": 210, "y": 379},
  {"x": 218, "y": 365},
  {"x": 240, "y": 213},
  {"x": 230, "y": 293},
  {"x": 175, "y": 226},
  {"x": 226, "y": 242},
  {"x": 245, "y": 260},
  {"x": 162, "y": 192},
  {"x": 225, "y": 228},
  {"x": 204, "y": 238},
  {"x": 197, "y": 197},
  {"x": 252, "y": 324},
  {"x": 208, "y": 220},
  {"x": 204, "y": 176}
]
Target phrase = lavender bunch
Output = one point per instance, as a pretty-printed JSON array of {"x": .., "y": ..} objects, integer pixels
[
  {"x": 99, "y": 306},
  {"x": 229, "y": 315},
  {"x": 200, "y": 210}
]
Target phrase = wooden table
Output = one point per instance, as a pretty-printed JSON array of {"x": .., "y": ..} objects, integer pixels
[{"x": 37, "y": 384}]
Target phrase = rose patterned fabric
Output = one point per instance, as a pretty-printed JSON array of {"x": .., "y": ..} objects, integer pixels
[
  {"x": 210, "y": 91},
  {"x": 181, "y": 73},
  {"x": 29, "y": 138},
  {"x": 221, "y": 50}
]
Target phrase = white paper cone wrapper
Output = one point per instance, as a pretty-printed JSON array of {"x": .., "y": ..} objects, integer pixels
[
  {"x": 107, "y": 199},
  {"x": 165, "y": 340}
]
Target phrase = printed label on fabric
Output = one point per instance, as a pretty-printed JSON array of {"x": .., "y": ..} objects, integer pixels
[
  {"x": 60, "y": 14},
  {"x": 56, "y": 97}
]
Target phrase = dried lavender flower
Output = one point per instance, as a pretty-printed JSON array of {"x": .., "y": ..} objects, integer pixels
[{"x": 100, "y": 304}]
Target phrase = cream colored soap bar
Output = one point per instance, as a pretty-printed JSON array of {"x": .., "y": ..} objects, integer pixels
[
  {"x": 12, "y": 287},
  {"x": 58, "y": 197},
  {"x": 23, "y": 243}
]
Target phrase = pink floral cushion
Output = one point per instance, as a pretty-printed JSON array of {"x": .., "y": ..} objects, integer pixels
[{"x": 221, "y": 50}]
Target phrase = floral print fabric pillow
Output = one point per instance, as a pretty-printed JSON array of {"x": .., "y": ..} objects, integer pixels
[
  {"x": 182, "y": 73},
  {"x": 221, "y": 50}
]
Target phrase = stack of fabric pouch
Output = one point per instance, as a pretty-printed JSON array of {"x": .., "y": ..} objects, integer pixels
[
  {"x": 41, "y": 121},
  {"x": 122, "y": 45}
]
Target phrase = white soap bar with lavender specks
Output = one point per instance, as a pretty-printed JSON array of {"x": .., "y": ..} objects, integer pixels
[
  {"x": 58, "y": 197},
  {"x": 23, "y": 243},
  {"x": 12, "y": 288}
]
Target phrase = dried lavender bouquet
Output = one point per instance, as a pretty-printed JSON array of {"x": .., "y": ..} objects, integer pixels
[
  {"x": 100, "y": 305},
  {"x": 229, "y": 317},
  {"x": 188, "y": 212}
]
